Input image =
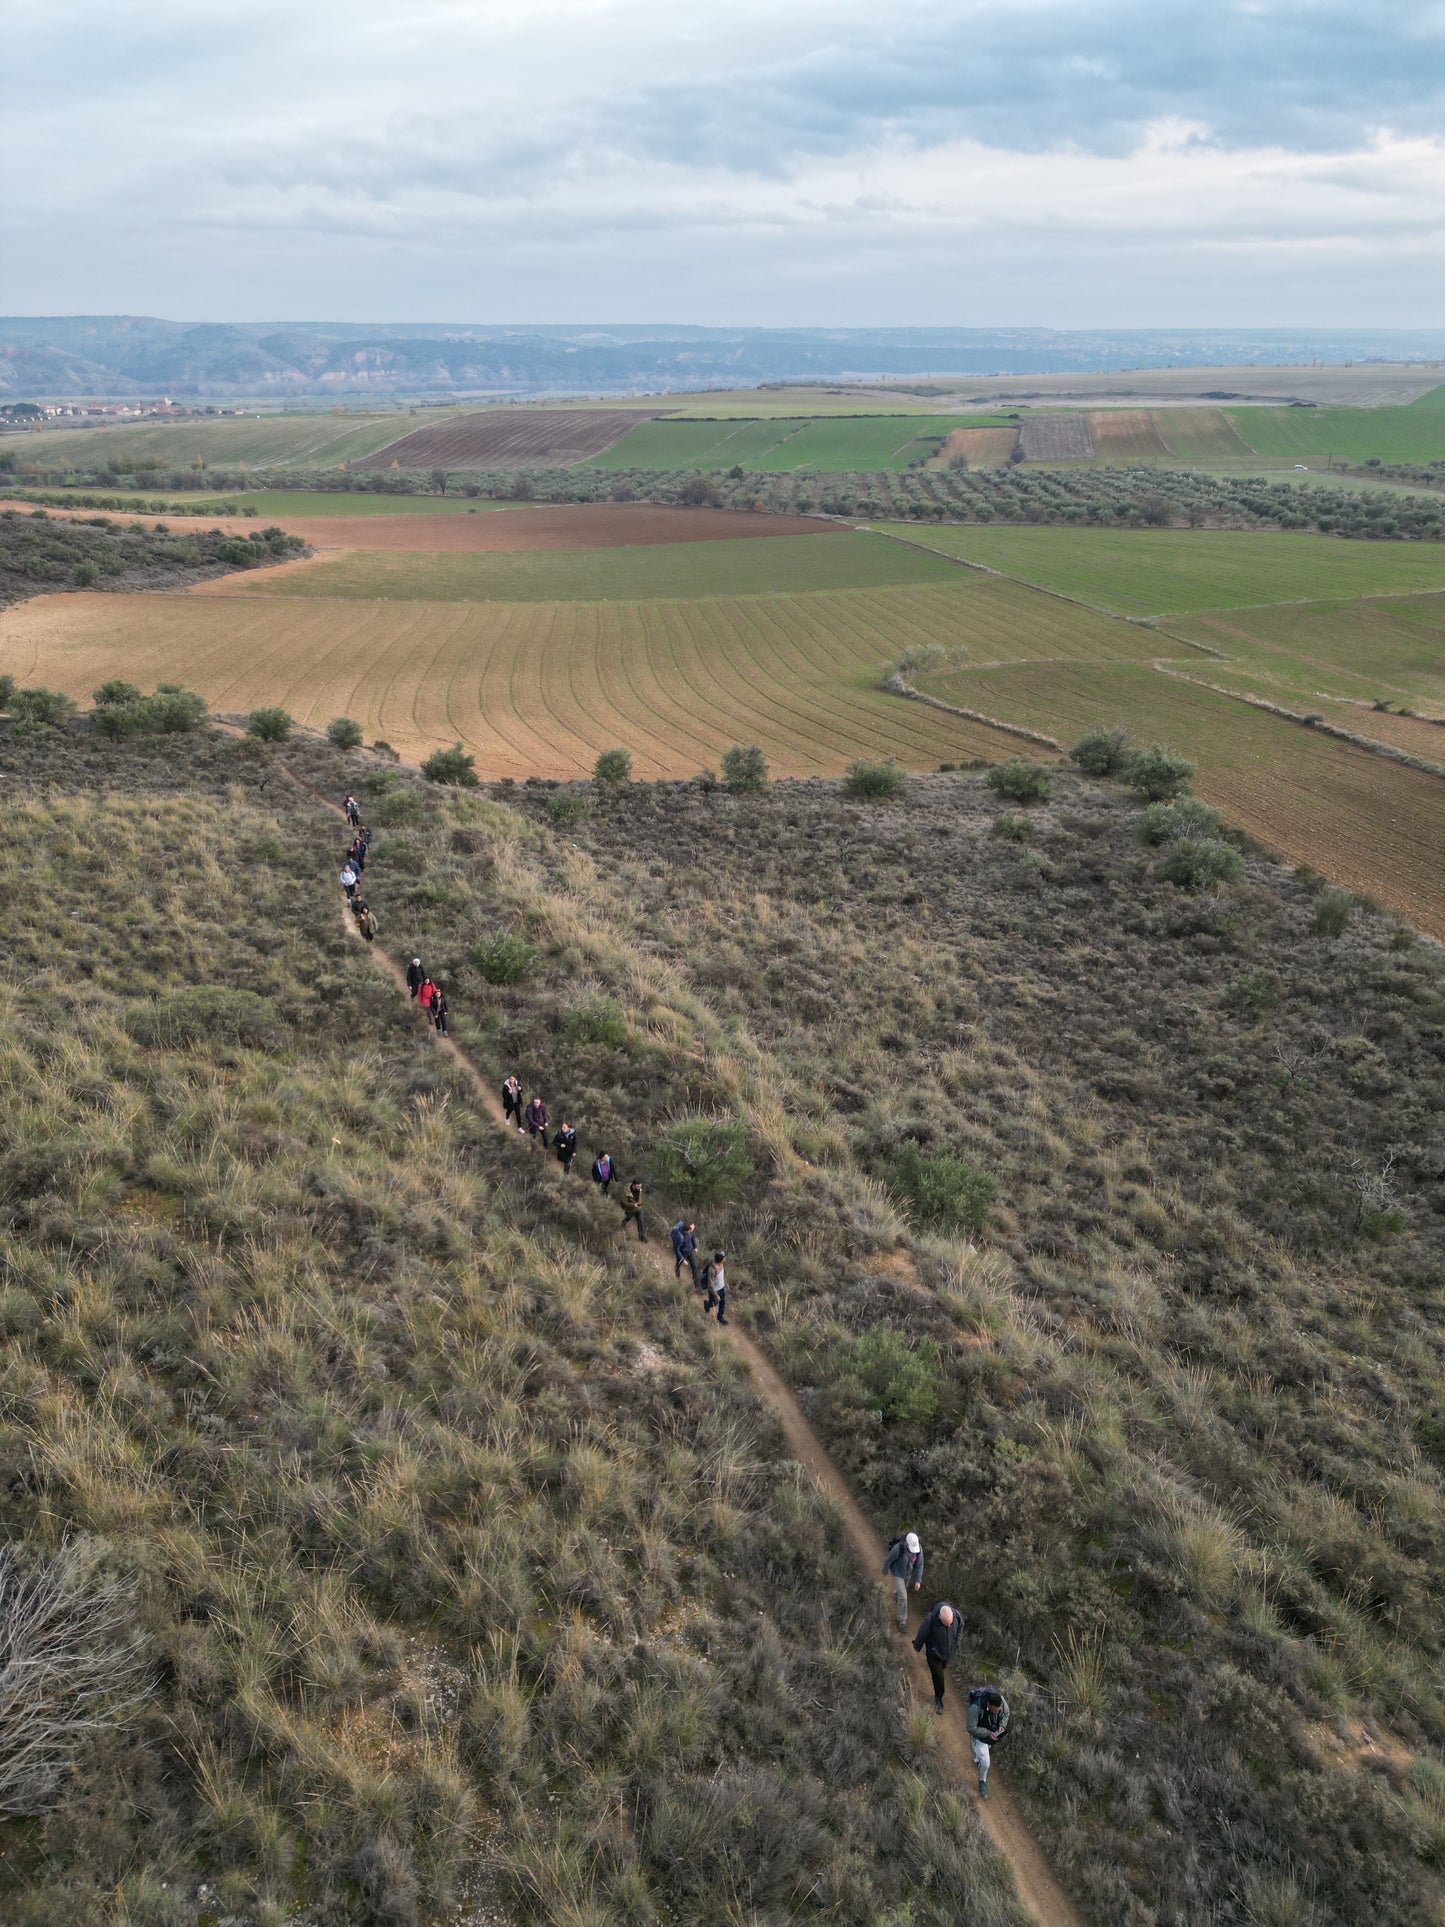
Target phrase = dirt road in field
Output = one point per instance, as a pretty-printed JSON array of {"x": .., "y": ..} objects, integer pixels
[{"x": 1037, "y": 1888}]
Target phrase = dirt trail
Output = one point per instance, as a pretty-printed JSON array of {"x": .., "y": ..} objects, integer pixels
[{"x": 1038, "y": 1890}]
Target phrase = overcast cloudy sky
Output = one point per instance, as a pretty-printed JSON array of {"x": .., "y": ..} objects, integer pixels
[{"x": 963, "y": 162}]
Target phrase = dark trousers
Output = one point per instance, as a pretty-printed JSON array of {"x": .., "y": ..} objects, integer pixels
[
  {"x": 690, "y": 1262},
  {"x": 627, "y": 1217},
  {"x": 722, "y": 1305},
  {"x": 935, "y": 1673}
]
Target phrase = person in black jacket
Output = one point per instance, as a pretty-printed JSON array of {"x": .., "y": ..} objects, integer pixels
[
  {"x": 512, "y": 1100},
  {"x": 565, "y": 1145},
  {"x": 937, "y": 1639},
  {"x": 414, "y": 977}
]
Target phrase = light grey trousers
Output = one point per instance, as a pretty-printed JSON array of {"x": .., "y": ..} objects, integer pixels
[{"x": 900, "y": 1595}]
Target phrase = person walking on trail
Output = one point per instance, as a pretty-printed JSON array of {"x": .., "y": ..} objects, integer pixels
[
  {"x": 684, "y": 1248},
  {"x": 414, "y": 977},
  {"x": 348, "y": 879},
  {"x": 904, "y": 1566},
  {"x": 565, "y": 1145},
  {"x": 632, "y": 1210},
  {"x": 937, "y": 1639},
  {"x": 537, "y": 1120},
  {"x": 426, "y": 994},
  {"x": 353, "y": 811},
  {"x": 439, "y": 1012},
  {"x": 602, "y": 1172},
  {"x": 512, "y": 1100},
  {"x": 366, "y": 922},
  {"x": 717, "y": 1287},
  {"x": 987, "y": 1724}
]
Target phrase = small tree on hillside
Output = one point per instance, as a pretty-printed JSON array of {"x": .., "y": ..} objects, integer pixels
[
  {"x": 454, "y": 766},
  {"x": 1157, "y": 773},
  {"x": 613, "y": 766},
  {"x": 745, "y": 770},
  {"x": 343, "y": 733},
  {"x": 268, "y": 725},
  {"x": 701, "y": 491},
  {"x": 439, "y": 480}
]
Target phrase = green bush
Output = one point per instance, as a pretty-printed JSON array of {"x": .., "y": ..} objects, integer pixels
[
  {"x": 1197, "y": 865},
  {"x": 377, "y": 782},
  {"x": 568, "y": 806},
  {"x": 399, "y": 809},
  {"x": 874, "y": 780},
  {"x": 1015, "y": 829},
  {"x": 1253, "y": 995},
  {"x": 113, "y": 692},
  {"x": 703, "y": 1160},
  {"x": 613, "y": 766},
  {"x": 1102, "y": 750},
  {"x": 122, "y": 712},
  {"x": 505, "y": 957},
  {"x": 1333, "y": 909},
  {"x": 456, "y": 767},
  {"x": 1187, "y": 817},
  {"x": 596, "y": 1020},
  {"x": 268, "y": 725},
  {"x": 1021, "y": 781},
  {"x": 1157, "y": 773},
  {"x": 902, "y": 1380},
  {"x": 940, "y": 1189},
  {"x": 1382, "y": 1227},
  {"x": 37, "y": 709},
  {"x": 7, "y": 691},
  {"x": 204, "y": 1012},
  {"x": 86, "y": 575},
  {"x": 745, "y": 771},
  {"x": 343, "y": 733}
]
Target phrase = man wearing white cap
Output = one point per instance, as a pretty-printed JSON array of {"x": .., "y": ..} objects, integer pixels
[{"x": 904, "y": 1566}]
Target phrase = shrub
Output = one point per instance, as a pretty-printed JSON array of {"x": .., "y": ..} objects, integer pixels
[
  {"x": 204, "y": 1012},
  {"x": 268, "y": 725},
  {"x": 1253, "y": 995},
  {"x": 1016, "y": 829},
  {"x": 37, "y": 709},
  {"x": 1021, "y": 781},
  {"x": 377, "y": 782},
  {"x": 505, "y": 957},
  {"x": 568, "y": 806},
  {"x": 1102, "y": 750},
  {"x": 703, "y": 1160},
  {"x": 1192, "y": 865},
  {"x": 86, "y": 575},
  {"x": 1188, "y": 817},
  {"x": 745, "y": 770},
  {"x": 902, "y": 1380},
  {"x": 455, "y": 766},
  {"x": 115, "y": 691},
  {"x": 1333, "y": 910},
  {"x": 613, "y": 766},
  {"x": 7, "y": 691},
  {"x": 1157, "y": 773},
  {"x": 596, "y": 1020},
  {"x": 343, "y": 733},
  {"x": 941, "y": 1189},
  {"x": 398, "y": 809},
  {"x": 874, "y": 780}
]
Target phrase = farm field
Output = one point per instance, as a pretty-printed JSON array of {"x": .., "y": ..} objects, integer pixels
[
  {"x": 1056, "y": 438},
  {"x": 1127, "y": 435},
  {"x": 1415, "y": 433},
  {"x": 779, "y": 445},
  {"x": 507, "y": 438},
  {"x": 320, "y": 440},
  {"x": 845, "y": 560},
  {"x": 539, "y": 689},
  {"x": 1147, "y": 572},
  {"x": 588, "y": 525},
  {"x": 1200, "y": 435},
  {"x": 1370, "y": 824},
  {"x": 979, "y": 447},
  {"x": 1378, "y": 648},
  {"x": 274, "y": 503}
]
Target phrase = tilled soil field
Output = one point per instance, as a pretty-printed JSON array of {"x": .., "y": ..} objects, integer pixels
[
  {"x": 511, "y": 438},
  {"x": 1056, "y": 438},
  {"x": 594, "y": 525}
]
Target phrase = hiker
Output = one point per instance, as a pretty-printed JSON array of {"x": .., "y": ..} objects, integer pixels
[
  {"x": 414, "y": 976},
  {"x": 937, "y": 1639},
  {"x": 537, "y": 1120},
  {"x": 426, "y": 994},
  {"x": 356, "y": 856},
  {"x": 717, "y": 1288},
  {"x": 348, "y": 879},
  {"x": 602, "y": 1172},
  {"x": 987, "y": 1724},
  {"x": 365, "y": 838},
  {"x": 512, "y": 1100},
  {"x": 565, "y": 1145},
  {"x": 632, "y": 1209},
  {"x": 366, "y": 922},
  {"x": 439, "y": 1012},
  {"x": 684, "y": 1249},
  {"x": 904, "y": 1566},
  {"x": 353, "y": 811}
]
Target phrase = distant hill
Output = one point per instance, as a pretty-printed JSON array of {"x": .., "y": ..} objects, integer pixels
[{"x": 120, "y": 355}]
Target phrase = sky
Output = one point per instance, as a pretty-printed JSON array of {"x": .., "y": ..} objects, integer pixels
[{"x": 968, "y": 163}]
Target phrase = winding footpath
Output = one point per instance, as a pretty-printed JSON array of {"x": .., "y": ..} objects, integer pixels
[{"x": 1037, "y": 1888}]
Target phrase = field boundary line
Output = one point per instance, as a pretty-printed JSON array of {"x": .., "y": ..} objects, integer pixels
[
  {"x": 895, "y": 686},
  {"x": 1036, "y": 1886}
]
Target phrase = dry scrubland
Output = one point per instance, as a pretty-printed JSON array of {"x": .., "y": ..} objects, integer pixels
[
  {"x": 1171, "y": 1418},
  {"x": 464, "y": 1578}
]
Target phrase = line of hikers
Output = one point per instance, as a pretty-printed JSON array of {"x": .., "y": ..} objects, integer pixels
[
  {"x": 941, "y": 1629},
  {"x": 938, "y": 1638}
]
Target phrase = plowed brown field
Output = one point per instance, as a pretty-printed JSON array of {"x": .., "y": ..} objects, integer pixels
[
  {"x": 595, "y": 525},
  {"x": 511, "y": 438},
  {"x": 980, "y": 447},
  {"x": 1127, "y": 435}
]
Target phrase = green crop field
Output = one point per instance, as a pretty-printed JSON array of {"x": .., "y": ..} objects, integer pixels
[
  {"x": 784, "y": 564},
  {"x": 1414, "y": 433},
  {"x": 1199, "y": 435},
  {"x": 1145, "y": 572},
  {"x": 313, "y": 503},
  {"x": 868, "y": 442},
  {"x": 308, "y": 441},
  {"x": 1381, "y": 649}
]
